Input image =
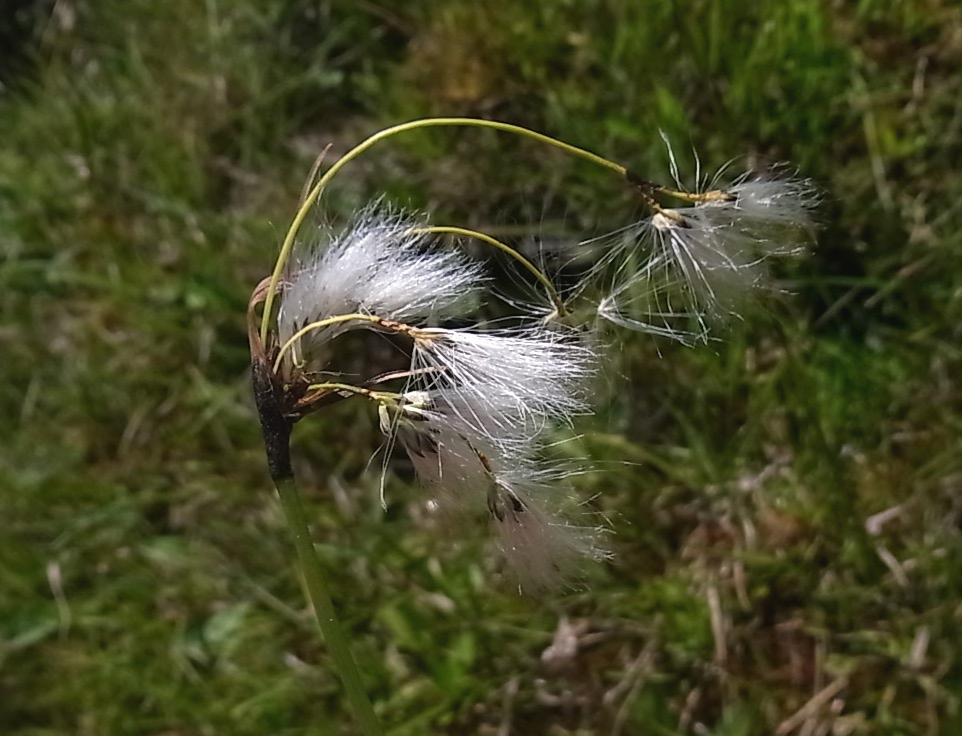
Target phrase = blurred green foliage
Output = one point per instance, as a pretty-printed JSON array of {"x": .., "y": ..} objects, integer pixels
[{"x": 151, "y": 157}]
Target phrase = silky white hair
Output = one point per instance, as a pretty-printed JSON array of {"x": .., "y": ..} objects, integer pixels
[
  {"x": 379, "y": 265},
  {"x": 683, "y": 270}
]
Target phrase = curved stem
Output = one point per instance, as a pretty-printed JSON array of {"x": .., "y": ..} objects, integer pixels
[
  {"x": 535, "y": 271},
  {"x": 345, "y": 387},
  {"x": 315, "y": 192},
  {"x": 713, "y": 195},
  {"x": 650, "y": 187},
  {"x": 334, "y": 636},
  {"x": 356, "y": 390},
  {"x": 336, "y": 319}
]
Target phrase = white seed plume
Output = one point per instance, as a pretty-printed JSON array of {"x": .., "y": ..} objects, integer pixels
[
  {"x": 471, "y": 470},
  {"x": 783, "y": 201},
  {"x": 716, "y": 263},
  {"x": 542, "y": 548},
  {"x": 704, "y": 260},
  {"x": 656, "y": 308},
  {"x": 437, "y": 442},
  {"x": 453, "y": 443},
  {"x": 378, "y": 265},
  {"x": 492, "y": 426},
  {"x": 538, "y": 373}
]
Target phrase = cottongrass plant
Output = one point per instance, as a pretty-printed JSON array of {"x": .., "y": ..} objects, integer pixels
[{"x": 476, "y": 408}]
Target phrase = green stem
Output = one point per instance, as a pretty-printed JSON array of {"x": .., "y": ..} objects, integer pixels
[
  {"x": 315, "y": 192},
  {"x": 331, "y": 630},
  {"x": 357, "y": 390},
  {"x": 337, "y": 319},
  {"x": 276, "y": 424}
]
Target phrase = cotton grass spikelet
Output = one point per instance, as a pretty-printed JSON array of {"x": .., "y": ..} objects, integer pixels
[
  {"x": 705, "y": 260},
  {"x": 443, "y": 447},
  {"x": 379, "y": 265},
  {"x": 525, "y": 497},
  {"x": 540, "y": 373},
  {"x": 716, "y": 263},
  {"x": 777, "y": 200},
  {"x": 541, "y": 548},
  {"x": 478, "y": 437}
]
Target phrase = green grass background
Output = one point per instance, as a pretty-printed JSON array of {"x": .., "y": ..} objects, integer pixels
[{"x": 151, "y": 156}]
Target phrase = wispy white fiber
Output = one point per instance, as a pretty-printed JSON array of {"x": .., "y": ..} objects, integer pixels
[
  {"x": 654, "y": 311},
  {"x": 702, "y": 262},
  {"x": 537, "y": 372},
  {"x": 718, "y": 262},
  {"x": 454, "y": 440},
  {"x": 376, "y": 266},
  {"x": 446, "y": 439},
  {"x": 542, "y": 548},
  {"x": 785, "y": 201},
  {"x": 478, "y": 469}
]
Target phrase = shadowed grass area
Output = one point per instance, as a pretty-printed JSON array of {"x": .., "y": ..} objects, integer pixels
[{"x": 786, "y": 502}]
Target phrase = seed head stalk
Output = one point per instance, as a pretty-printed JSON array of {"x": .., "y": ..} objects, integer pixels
[
  {"x": 337, "y": 319},
  {"x": 277, "y": 433},
  {"x": 329, "y": 624},
  {"x": 315, "y": 192}
]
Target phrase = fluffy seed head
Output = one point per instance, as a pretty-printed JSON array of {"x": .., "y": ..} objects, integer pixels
[
  {"x": 716, "y": 263},
  {"x": 454, "y": 443},
  {"x": 705, "y": 260},
  {"x": 537, "y": 372},
  {"x": 779, "y": 201},
  {"x": 476, "y": 468},
  {"x": 378, "y": 265},
  {"x": 541, "y": 548}
]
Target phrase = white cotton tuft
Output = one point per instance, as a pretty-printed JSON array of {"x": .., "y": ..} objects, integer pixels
[
  {"x": 652, "y": 312},
  {"x": 453, "y": 445},
  {"x": 447, "y": 464},
  {"x": 706, "y": 260},
  {"x": 496, "y": 469},
  {"x": 532, "y": 373},
  {"x": 761, "y": 200},
  {"x": 380, "y": 266},
  {"x": 542, "y": 549},
  {"x": 717, "y": 264}
]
